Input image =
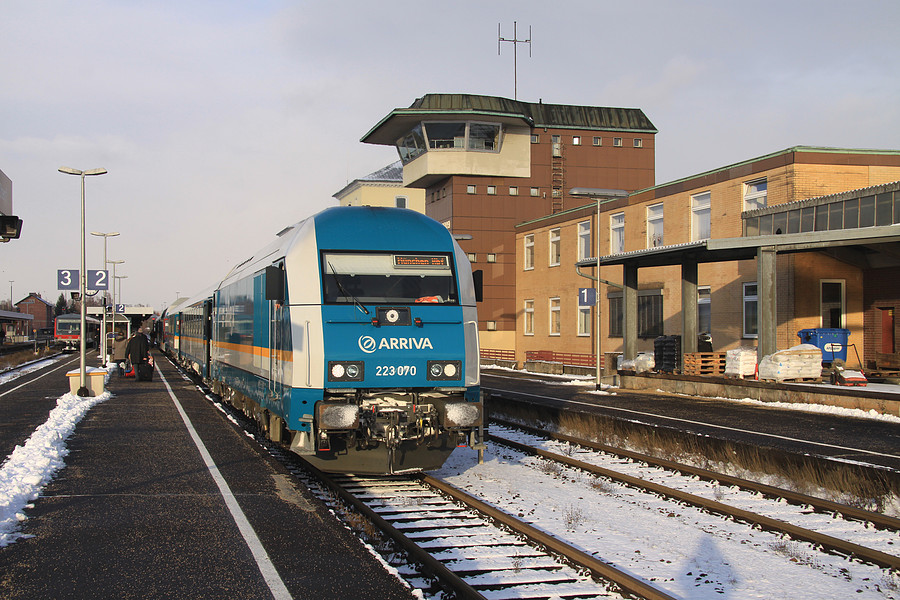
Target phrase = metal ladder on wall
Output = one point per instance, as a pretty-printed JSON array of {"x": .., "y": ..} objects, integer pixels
[{"x": 558, "y": 176}]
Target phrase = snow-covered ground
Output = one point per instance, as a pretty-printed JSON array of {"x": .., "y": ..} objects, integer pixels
[{"x": 690, "y": 553}]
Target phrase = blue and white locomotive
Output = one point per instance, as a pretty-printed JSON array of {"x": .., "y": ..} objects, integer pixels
[{"x": 353, "y": 337}]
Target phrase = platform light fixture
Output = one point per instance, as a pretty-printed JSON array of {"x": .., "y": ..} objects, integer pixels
[
  {"x": 602, "y": 196},
  {"x": 82, "y": 390}
]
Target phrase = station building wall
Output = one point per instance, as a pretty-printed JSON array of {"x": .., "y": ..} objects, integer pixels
[{"x": 791, "y": 175}]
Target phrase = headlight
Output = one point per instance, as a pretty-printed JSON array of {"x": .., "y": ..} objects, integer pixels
[
  {"x": 340, "y": 370},
  {"x": 444, "y": 370}
]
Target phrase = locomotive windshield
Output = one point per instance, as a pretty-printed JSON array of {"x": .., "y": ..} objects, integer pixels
[{"x": 388, "y": 278}]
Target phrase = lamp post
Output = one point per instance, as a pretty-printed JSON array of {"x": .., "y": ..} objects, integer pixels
[
  {"x": 82, "y": 279},
  {"x": 602, "y": 196},
  {"x": 11, "y": 281},
  {"x": 119, "y": 278},
  {"x": 105, "y": 237},
  {"x": 114, "y": 263}
]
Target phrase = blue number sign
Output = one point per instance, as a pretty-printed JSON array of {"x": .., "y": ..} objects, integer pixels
[
  {"x": 587, "y": 296},
  {"x": 67, "y": 279}
]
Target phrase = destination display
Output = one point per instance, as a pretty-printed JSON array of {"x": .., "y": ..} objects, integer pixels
[{"x": 407, "y": 260}]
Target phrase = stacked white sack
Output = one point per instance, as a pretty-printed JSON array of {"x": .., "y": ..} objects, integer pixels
[
  {"x": 740, "y": 362},
  {"x": 800, "y": 362}
]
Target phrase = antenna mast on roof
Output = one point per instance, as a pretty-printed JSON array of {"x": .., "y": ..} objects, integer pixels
[{"x": 515, "y": 41}]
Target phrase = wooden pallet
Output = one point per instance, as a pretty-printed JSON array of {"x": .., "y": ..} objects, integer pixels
[{"x": 703, "y": 363}]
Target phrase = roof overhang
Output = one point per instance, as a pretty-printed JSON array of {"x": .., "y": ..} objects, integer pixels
[
  {"x": 402, "y": 120},
  {"x": 869, "y": 247}
]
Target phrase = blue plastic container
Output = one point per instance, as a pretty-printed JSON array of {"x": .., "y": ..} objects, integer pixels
[{"x": 832, "y": 342}]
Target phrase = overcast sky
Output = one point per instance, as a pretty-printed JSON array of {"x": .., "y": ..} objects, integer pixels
[{"x": 222, "y": 122}]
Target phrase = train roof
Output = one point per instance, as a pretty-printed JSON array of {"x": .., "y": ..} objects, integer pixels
[{"x": 76, "y": 317}]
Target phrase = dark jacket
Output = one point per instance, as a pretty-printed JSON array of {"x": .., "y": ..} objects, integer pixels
[{"x": 138, "y": 348}]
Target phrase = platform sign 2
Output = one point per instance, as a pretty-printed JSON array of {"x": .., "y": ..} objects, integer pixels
[
  {"x": 67, "y": 279},
  {"x": 587, "y": 296}
]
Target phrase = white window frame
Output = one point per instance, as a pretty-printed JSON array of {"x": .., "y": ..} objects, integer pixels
[
  {"x": 704, "y": 298},
  {"x": 584, "y": 240},
  {"x": 528, "y": 258},
  {"x": 491, "y": 257},
  {"x": 584, "y": 321},
  {"x": 554, "y": 247},
  {"x": 655, "y": 225},
  {"x": 471, "y": 189},
  {"x": 401, "y": 202},
  {"x": 555, "y": 314},
  {"x": 492, "y": 325},
  {"x": 617, "y": 233},
  {"x": 576, "y": 140},
  {"x": 701, "y": 216},
  {"x": 528, "y": 328},
  {"x": 471, "y": 256},
  {"x": 598, "y": 140},
  {"x": 749, "y": 299},
  {"x": 535, "y": 192},
  {"x": 513, "y": 190},
  {"x": 617, "y": 142},
  {"x": 492, "y": 190},
  {"x": 753, "y": 198},
  {"x": 638, "y": 143}
]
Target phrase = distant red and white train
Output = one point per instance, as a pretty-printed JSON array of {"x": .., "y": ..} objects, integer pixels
[{"x": 67, "y": 330}]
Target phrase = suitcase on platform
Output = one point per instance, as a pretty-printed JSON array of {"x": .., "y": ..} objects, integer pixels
[{"x": 144, "y": 371}]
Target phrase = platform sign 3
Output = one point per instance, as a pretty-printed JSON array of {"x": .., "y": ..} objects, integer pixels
[{"x": 67, "y": 279}]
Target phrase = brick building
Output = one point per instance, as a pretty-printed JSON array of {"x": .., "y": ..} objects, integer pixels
[
  {"x": 488, "y": 163},
  {"x": 40, "y": 309},
  {"x": 835, "y": 208}
]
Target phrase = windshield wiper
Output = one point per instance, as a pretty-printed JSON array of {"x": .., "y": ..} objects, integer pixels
[{"x": 345, "y": 293}]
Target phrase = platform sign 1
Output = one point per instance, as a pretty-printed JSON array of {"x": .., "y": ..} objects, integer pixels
[{"x": 587, "y": 296}]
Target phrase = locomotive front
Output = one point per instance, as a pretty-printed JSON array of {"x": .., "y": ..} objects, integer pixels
[{"x": 396, "y": 385}]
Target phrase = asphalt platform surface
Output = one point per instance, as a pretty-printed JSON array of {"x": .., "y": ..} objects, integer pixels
[{"x": 137, "y": 513}]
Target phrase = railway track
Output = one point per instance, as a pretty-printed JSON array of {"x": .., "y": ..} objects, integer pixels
[
  {"x": 858, "y": 520},
  {"x": 448, "y": 544}
]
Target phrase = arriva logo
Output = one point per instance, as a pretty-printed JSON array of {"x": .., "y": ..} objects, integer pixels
[{"x": 368, "y": 344}]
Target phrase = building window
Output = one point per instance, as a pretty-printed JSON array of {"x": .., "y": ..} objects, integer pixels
[
  {"x": 617, "y": 233},
  {"x": 617, "y": 142},
  {"x": 576, "y": 140},
  {"x": 529, "y": 252},
  {"x": 535, "y": 138},
  {"x": 492, "y": 325},
  {"x": 472, "y": 256},
  {"x": 598, "y": 141},
  {"x": 751, "y": 306},
  {"x": 513, "y": 190},
  {"x": 584, "y": 240},
  {"x": 638, "y": 143},
  {"x": 400, "y": 201},
  {"x": 445, "y": 135},
  {"x": 832, "y": 303},
  {"x": 700, "y": 216},
  {"x": 554, "y": 316},
  {"x": 584, "y": 321},
  {"x": 484, "y": 136},
  {"x": 491, "y": 258},
  {"x": 470, "y": 189},
  {"x": 492, "y": 190},
  {"x": 655, "y": 225},
  {"x": 535, "y": 192},
  {"x": 554, "y": 247},
  {"x": 755, "y": 194},
  {"x": 704, "y": 312},
  {"x": 649, "y": 317},
  {"x": 529, "y": 317},
  {"x": 412, "y": 144}
]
